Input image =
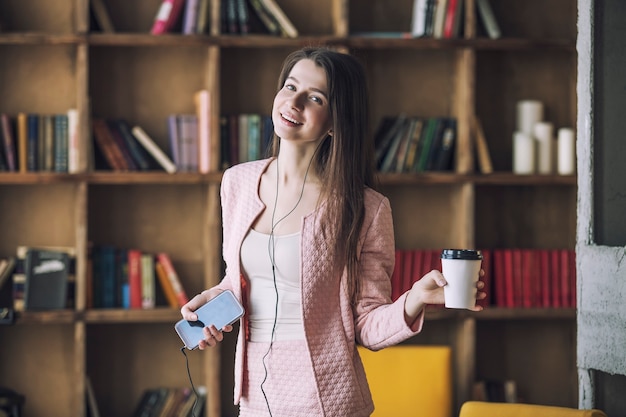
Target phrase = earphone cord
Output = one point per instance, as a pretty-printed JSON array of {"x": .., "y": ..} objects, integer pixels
[
  {"x": 271, "y": 248},
  {"x": 195, "y": 402}
]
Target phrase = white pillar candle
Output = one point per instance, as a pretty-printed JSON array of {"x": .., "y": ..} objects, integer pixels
[
  {"x": 566, "y": 151},
  {"x": 529, "y": 112},
  {"x": 523, "y": 153},
  {"x": 543, "y": 133}
]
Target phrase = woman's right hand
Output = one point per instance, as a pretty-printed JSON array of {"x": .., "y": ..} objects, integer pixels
[{"x": 211, "y": 334}]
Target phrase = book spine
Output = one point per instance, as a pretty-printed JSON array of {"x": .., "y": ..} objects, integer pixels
[
  {"x": 22, "y": 142},
  {"x": 60, "y": 143},
  {"x": 190, "y": 17},
  {"x": 8, "y": 142},
  {"x": 285, "y": 24},
  {"x": 168, "y": 290},
  {"x": 203, "y": 114},
  {"x": 148, "y": 294},
  {"x": 153, "y": 149},
  {"x": 488, "y": 18},
  {"x": 73, "y": 145},
  {"x": 166, "y": 17},
  {"x": 136, "y": 151},
  {"x": 33, "y": 140},
  {"x": 179, "y": 291},
  {"x": 134, "y": 278}
]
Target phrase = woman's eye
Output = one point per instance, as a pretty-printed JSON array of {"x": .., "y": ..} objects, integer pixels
[
  {"x": 290, "y": 87},
  {"x": 316, "y": 100}
]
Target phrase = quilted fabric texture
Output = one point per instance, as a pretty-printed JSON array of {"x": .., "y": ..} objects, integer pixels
[{"x": 331, "y": 325}]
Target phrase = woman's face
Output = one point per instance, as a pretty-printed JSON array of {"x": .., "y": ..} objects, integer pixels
[{"x": 301, "y": 111}]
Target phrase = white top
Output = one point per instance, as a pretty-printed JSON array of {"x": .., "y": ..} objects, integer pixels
[{"x": 263, "y": 308}]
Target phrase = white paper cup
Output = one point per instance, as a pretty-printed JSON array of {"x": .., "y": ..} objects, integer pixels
[{"x": 460, "y": 268}]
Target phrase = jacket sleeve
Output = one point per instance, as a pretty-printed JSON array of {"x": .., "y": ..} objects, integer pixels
[{"x": 379, "y": 322}]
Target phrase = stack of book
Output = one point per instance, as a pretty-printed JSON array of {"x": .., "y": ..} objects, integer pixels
[
  {"x": 132, "y": 279},
  {"x": 245, "y": 137},
  {"x": 39, "y": 142},
  {"x": 514, "y": 277},
  {"x": 415, "y": 144}
]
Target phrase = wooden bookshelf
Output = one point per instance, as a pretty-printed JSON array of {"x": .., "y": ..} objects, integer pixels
[{"x": 50, "y": 62}]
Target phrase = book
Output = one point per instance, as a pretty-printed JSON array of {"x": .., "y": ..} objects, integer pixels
[
  {"x": 385, "y": 135},
  {"x": 92, "y": 403},
  {"x": 167, "y": 16},
  {"x": 148, "y": 290},
  {"x": 8, "y": 141},
  {"x": 488, "y": 19},
  {"x": 452, "y": 22},
  {"x": 202, "y": 101},
  {"x": 286, "y": 26},
  {"x": 243, "y": 18},
  {"x": 188, "y": 142},
  {"x": 135, "y": 278},
  {"x": 22, "y": 142},
  {"x": 101, "y": 14},
  {"x": 73, "y": 142},
  {"x": 60, "y": 142},
  {"x": 418, "y": 18},
  {"x": 164, "y": 260},
  {"x": 47, "y": 273},
  {"x": 444, "y": 157},
  {"x": 147, "y": 142},
  {"x": 108, "y": 146},
  {"x": 190, "y": 17},
  {"x": 7, "y": 267},
  {"x": 33, "y": 140},
  {"x": 482, "y": 148},
  {"x": 265, "y": 17},
  {"x": 439, "y": 18},
  {"x": 137, "y": 152},
  {"x": 47, "y": 144},
  {"x": 203, "y": 16},
  {"x": 122, "y": 145}
]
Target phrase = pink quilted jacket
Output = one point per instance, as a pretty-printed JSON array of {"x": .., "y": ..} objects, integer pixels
[{"x": 332, "y": 326}]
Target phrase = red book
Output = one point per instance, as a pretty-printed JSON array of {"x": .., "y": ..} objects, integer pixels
[
  {"x": 518, "y": 284},
  {"x": 509, "y": 281},
  {"x": 544, "y": 277},
  {"x": 498, "y": 280},
  {"x": 449, "y": 22},
  {"x": 396, "y": 277},
  {"x": 134, "y": 278},
  {"x": 167, "y": 16},
  {"x": 555, "y": 268},
  {"x": 528, "y": 278},
  {"x": 179, "y": 290}
]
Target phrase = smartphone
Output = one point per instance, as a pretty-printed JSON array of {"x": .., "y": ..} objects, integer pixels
[{"x": 221, "y": 310}]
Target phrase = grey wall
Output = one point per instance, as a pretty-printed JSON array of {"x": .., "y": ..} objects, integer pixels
[{"x": 601, "y": 269}]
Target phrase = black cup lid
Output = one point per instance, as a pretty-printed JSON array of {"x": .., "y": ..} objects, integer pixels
[{"x": 468, "y": 254}]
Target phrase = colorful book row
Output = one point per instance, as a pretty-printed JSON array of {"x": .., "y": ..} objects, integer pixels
[
  {"x": 514, "y": 277},
  {"x": 245, "y": 137},
  {"x": 132, "y": 279},
  {"x": 415, "y": 144},
  {"x": 39, "y": 142}
]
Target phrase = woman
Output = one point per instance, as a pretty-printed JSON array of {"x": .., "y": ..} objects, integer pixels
[{"x": 309, "y": 250}]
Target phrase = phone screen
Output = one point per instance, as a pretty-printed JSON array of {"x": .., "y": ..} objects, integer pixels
[{"x": 222, "y": 310}]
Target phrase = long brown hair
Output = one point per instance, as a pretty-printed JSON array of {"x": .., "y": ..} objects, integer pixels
[{"x": 344, "y": 161}]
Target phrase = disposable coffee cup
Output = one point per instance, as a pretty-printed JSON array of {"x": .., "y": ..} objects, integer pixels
[{"x": 460, "y": 268}]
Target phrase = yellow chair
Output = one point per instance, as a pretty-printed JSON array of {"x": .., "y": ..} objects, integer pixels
[
  {"x": 490, "y": 409},
  {"x": 408, "y": 380}
]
